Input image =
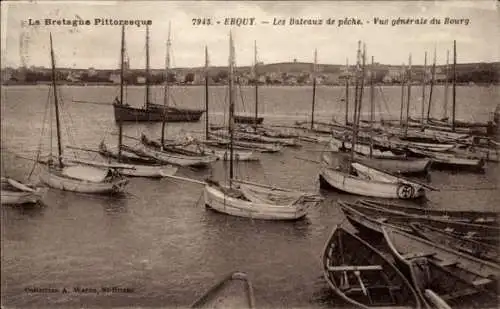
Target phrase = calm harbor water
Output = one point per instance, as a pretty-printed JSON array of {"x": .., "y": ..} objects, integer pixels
[{"x": 158, "y": 240}]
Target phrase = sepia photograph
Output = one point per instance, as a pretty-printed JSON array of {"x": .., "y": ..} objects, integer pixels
[{"x": 250, "y": 154}]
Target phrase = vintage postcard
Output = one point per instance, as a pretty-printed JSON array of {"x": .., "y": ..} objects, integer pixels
[{"x": 250, "y": 154}]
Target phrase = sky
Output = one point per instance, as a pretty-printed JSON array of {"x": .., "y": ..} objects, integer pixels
[{"x": 98, "y": 46}]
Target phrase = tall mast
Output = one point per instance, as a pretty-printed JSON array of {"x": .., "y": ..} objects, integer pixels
[
  {"x": 231, "y": 105},
  {"x": 166, "y": 88},
  {"x": 147, "y": 67},
  {"x": 207, "y": 135},
  {"x": 454, "y": 84},
  {"x": 372, "y": 107},
  {"x": 314, "y": 88},
  {"x": 256, "y": 76},
  {"x": 447, "y": 69},
  {"x": 424, "y": 78},
  {"x": 408, "y": 97},
  {"x": 56, "y": 103},
  {"x": 356, "y": 85},
  {"x": 122, "y": 55},
  {"x": 347, "y": 91},
  {"x": 403, "y": 77},
  {"x": 433, "y": 77},
  {"x": 356, "y": 103}
]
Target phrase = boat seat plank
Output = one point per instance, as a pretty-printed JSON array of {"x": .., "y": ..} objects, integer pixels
[
  {"x": 358, "y": 289},
  {"x": 418, "y": 255},
  {"x": 447, "y": 263},
  {"x": 482, "y": 281},
  {"x": 354, "y": 268}
]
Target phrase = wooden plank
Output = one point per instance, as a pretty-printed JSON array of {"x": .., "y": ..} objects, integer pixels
[
  {"x": 482, "y": 281},
  {"x": 447, "y": 263},
  {"x": 417, "y": 255},
  {"x": 354, "y": 268}
]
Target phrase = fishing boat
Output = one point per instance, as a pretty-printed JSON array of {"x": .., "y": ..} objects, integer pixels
[
  {"x": 221, "y": 151},
  {"x": 384, "y": 160},
  {"x": 248, "y": 119},
  {"x": 150, "y": 111},
  {"x": 377, "y": 216},
  {"x": 252, "y": 200},
  {"x": 235, "y": 291},
  {"x": 170, "y": 155},
  {"x": 161, "y": 150},
  {"x": 253, "y": 137},
  {"x": 83, "y": 178},
  {"x": 466, "y": 216},
  {"x": 370, "y": 182},
  {"x": 481, "y": 250},
  {"x": 452, "y": 275},
  {"x": 150, "y": 169},
  {"x": 216, "y": 140},
  {"x": 14, "y": 192},
  {"x": 449, "y": 159},
  {"x": 361, "y": 275},
  {"x": 153, "y": 113}
]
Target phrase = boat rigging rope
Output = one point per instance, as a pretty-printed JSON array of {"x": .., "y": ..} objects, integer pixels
[
  {"x": 47, "y": 111},
  {"x": 241, "y": 95},
  {"x": 385, "y": 104}
]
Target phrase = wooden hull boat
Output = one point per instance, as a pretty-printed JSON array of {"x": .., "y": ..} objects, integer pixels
[
  {"x": 129, "y": 157},
  {"x": 141, "y": 170},
  {"x": 465, "y": 216},
  {"x": 485, "y": 233},
  {"x": 258, "y": 203},
  {"x": 247, "y": 119},
  {"x": 361, "y": 275},
  {"x": 262, "y": 147},
  {"x": 170, "y": 155},
  {"x": 154, "y": 112},
  {"x": 392, "y": 142},
  {"x": 224, "y": 154},
  {"x": 252, "y": 137},
  {"x": 450, "y": 274},
  {"x": 221, "y": 152},
  {"x": 370, "y": 182},
  {"x": 16, "y": 193},
  {"x": 362, "y": 149},
  {"x": 234, "y": 291},
  {"x": 83, "y": 179},
  {"x": 472, "y": 247},
  {"x": 450, "y": 160}
]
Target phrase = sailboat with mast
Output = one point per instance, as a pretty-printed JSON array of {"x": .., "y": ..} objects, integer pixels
[
  {"x": 161, "y": 150},
  {"x": 151, "y": 111},
  {"x": 212, "y": 147},
  {"x": 368, "y": 155},
  {"x": 255, "y": 120},
  {"x": 138, "y": 166},
  {"x": 356, "y": 178},
  {"x": 252, "y": 200},
  {"x": 78, "y": 175}
]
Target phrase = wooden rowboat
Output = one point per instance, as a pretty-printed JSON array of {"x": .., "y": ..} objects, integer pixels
[
  {"x": 472, "y": 247},
  {"x": 485, "y": 233},
  {"x": 235, "y": 291},
  {"x": 466, "y": 216},
  {"x": 16, "y": 193},
  {"x": 450, "y": 274},
  {"x": 361, "y": 275}
]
